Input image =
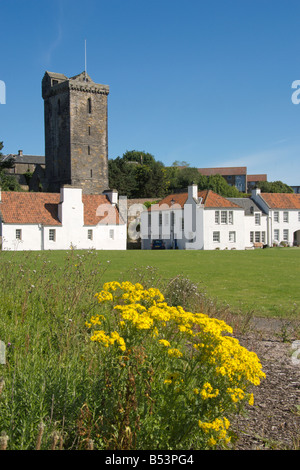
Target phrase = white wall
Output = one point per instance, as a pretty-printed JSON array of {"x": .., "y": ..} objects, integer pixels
[
  {"x": 292, "y": 225},
  {"x": 251, "y": 226},
  {"x": 211, "y": 226},
  {"x": 72, "y": 232},
  {"x": 35, "y": 238},
  {"x": 30, "y": 237}
]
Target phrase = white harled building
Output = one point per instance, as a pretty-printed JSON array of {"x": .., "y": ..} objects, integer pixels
[{"x": 60, "y": 221}]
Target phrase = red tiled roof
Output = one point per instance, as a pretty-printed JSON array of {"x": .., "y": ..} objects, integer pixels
[
  {"x": 210, "y": 199},
  {"x": 29, "y": 208},
  {"x": 256, "y": 178},
  {"x": 94, "y": 214},
  {"x": 282, "y": 200},
  {"x": 224, "y": 171},
  {"x": 42, "y": 208}
]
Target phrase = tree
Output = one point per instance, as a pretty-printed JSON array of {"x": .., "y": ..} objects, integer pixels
[
  {"x": 219, "y": 185},
  {"x": 122, "y": 176},
  {"x": 138, "y": 175},
  {"x": 274, "y": 187},
  {"x": 7, "y": 182}
]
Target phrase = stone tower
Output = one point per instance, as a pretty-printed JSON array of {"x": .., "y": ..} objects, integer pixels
[{"x": 76, "y": 143}]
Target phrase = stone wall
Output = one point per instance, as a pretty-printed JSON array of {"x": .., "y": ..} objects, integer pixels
[{"x": 76, "y": 136}]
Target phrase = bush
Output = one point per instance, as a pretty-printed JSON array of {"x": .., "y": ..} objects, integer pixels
[{"x": 169, "y": 378}]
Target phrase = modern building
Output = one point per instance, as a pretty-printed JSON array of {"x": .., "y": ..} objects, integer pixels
[{"x": 235, "y": 176}]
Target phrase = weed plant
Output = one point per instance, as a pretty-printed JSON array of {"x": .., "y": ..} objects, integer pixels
[{"x": 141, "y": 383}]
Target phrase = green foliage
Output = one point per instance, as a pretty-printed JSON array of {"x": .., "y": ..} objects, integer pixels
[
  {"x": 28, "y": 175},
  {"x": 57, "y": 379},
  {"x": 274, "y": 187},
  {"x": 138, "y": 175},
  {"x": 181, "y": 178},
  {"x": 169, "y": 377},
  {"x": 8, "y": 182}
]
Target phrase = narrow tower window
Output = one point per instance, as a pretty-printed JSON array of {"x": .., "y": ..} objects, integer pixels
[
  {"x": 89, "y": 105},
  {"x": 89, "y": 150},
  {"x": 89, "y": 129}
]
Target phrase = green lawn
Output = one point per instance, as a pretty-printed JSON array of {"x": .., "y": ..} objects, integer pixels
[{"x": 263, "y": 281}]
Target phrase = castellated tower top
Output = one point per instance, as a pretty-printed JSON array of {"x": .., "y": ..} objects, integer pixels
[
  {"x": 76, "y": 137},
  {"x": 55, "y": 83}
]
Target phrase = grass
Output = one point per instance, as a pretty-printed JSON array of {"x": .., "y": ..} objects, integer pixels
[
  {"x": 52, "y": 369},
  {"x": 265, "y": 282}
]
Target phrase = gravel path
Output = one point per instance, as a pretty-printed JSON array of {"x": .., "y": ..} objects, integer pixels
[{"x": 273, "y": 422}]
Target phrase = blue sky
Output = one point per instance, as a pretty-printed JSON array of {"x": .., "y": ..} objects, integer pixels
[{"x": 202, "y": 81}]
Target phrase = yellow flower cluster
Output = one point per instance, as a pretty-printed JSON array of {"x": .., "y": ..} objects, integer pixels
[
  {"x": 236, "y": 394},
  {"x": 146, "y": 309},
  {"x": 129, "y": 292},
  {"x": 174, "y": 352},
  {"x": 104, "y": 296},
  {"x": 101, "y": 337},
  {"x": 217, "y": 430},
  {"x": 210, "y": 343},
  {"x": 236, "y": 362},
  {"x": 208, "y": 391},
  {"x": 95, "y": 320},
  {"x": 164, "y": 342}
]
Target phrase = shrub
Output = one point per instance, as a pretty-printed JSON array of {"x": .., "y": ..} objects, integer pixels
[{"x": 169, "y": 378}]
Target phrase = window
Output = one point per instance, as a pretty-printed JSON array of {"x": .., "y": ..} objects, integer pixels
[
  {"x": 182, "y": 223},
  {"x": 89, "y": 150},
  {"x": 257, "y": 237},
  {"x": 223, "y": 217},
  {"x": 52, "y": 234},
  {"x": 276, "y": 234},
  {"x": 89, "y": 130},
  {"x": 18, "y": 234},
  {"x": 89, "y": 105},
  {"x": 257, "y": 219},
  {"x": 112, "y": 234},
  {"x": 232, "y": 237},
  {"x": 91, "y": 173},
  {"x": 298, "y": 216},
  {"x": 276, "y": 216},
  {"x": 160, "y": 219},
  {"x": 285, "y": 216},
  {"x": 263, "y": 237},
  {"x": 230, "y": 217},
  {"x": 217, "y": 217},
  {"x": 216, "y": 237},
  {"x": 90, "y": 234},
  {"x": 251, "y": 237},
  {"x": 286, "y": 235}
]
